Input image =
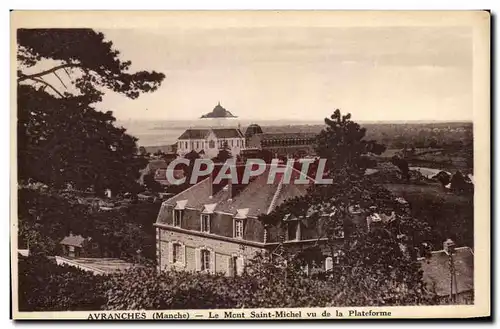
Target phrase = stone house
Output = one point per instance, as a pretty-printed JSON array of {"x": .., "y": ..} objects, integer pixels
[
  {"x": 215, "y": 227},
  {"x": 78, "y": 246}
]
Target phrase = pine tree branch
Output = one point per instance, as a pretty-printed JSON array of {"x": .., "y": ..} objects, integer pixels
[
  {"x": 40, "y": 74},
  {"x": 47, "y": 85},
  {"x": 60, "y": 80}
]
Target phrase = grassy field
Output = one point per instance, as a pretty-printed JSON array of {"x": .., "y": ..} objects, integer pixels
[
  {"x": 449, "y": 215},
  {"x": 433, "y": 191}
]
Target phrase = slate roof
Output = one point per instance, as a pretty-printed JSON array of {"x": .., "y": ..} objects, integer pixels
[
  {"x": 228, "y": 133},
  {"x": 258, "y": 196},
  {"x": 195, "y": 133},
  {"x": 436, "y": 271},
  {"x": 73, "y": 240}
]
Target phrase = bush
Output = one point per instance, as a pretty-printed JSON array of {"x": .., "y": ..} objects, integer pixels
[{"x": 45, "y": 286}]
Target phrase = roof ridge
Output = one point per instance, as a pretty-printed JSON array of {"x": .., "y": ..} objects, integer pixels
[
  {"x": 307, "y": 176},
  {"x": 275, "y": 196}
]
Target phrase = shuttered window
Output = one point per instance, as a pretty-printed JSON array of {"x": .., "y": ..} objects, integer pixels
[
  {"x": 176, "y": 252},
  {"x": 205, "y": 260}
]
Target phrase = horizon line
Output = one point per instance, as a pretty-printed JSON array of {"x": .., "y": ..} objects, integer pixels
[{"x": 321, "y": 121}]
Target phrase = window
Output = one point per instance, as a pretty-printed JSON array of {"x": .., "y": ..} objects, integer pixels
[
  {"x": 205, "y": 223},
  {"x": 176, "y": 253},
  {"x": 293, "y": 230},
  {"x": 205, "y": 260},
  {"x": 177, "y": 217},
  {"x": 238, "y": 228}
]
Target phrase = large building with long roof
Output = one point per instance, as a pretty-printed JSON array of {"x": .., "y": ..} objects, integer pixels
[{"x": 208, "y": 141}]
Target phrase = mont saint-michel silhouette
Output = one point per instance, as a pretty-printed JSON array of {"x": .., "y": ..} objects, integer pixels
[{"x": 218, "y": 112}]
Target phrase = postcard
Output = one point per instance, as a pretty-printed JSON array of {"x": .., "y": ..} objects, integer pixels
[{"x": 250, "y": 165}]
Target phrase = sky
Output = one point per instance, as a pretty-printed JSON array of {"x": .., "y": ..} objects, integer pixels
[{"x": 299, "y": 72}]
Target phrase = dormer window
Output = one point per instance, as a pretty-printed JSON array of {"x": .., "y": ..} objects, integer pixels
[
  {"x": 178, "y": 215},
  {"x": 238, "y": 222},
  {"x": 206, "y": 216},
  {"x": 238, "y": 228},
  {"x": 205, "y": 223}
]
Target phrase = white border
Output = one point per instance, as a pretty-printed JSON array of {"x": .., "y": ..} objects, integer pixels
[{"x": 190, "y": 4}]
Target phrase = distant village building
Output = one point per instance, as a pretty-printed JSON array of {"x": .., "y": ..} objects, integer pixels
[
  {"x": 158, "y": 169},
  {"x": 438, "y": 274},
  {"x": 163, "y": 150},
  {"x": 78, "y": 246},
  {"x": 281, "y": 144},
  {"x": 207, "y": 142}
]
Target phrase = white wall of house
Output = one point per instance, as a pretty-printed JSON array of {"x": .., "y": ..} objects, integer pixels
[{"x": 210, "y": 145}]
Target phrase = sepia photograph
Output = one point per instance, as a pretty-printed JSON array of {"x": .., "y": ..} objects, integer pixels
[{"x": 261, "y": 165}]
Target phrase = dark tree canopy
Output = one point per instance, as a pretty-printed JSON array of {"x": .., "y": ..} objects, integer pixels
[
  {"x": 87, "y": 57},
  {"x": 403, "y": 166},
  {"x": 224, "y": 154},
  {"x": 384, "y": 256},
  {"x": 61, "y": 141},
  {"x": 62, "y": 138},
  {"x": 343, "y": 144}
]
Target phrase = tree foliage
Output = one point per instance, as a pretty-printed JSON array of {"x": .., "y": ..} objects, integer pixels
[
  {"x": 62, "y": 138},
  {"x": 86, "y": 57},
  {"x": 382, "y": 259},
  {"x": 46, "y": 218},
  {"x": 265, "y": 283},
  {"x": 61, "y": 142},
  {"x": 224, "y": 154},
  {"x": 151, "y": 184},
  {"x": 45, "y": 286}
]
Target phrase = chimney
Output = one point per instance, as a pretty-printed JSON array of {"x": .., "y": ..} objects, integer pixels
[{"x": 449, "y": 247}]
